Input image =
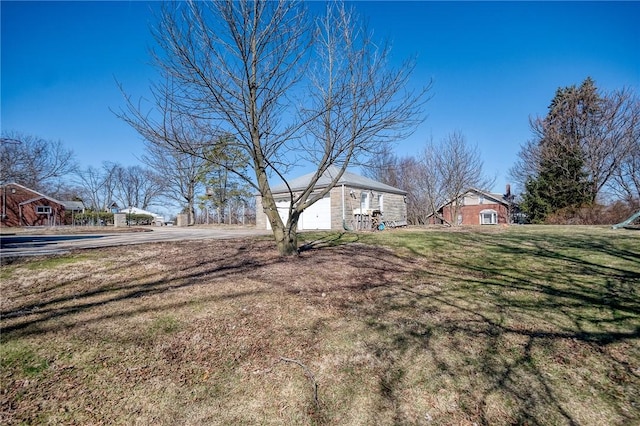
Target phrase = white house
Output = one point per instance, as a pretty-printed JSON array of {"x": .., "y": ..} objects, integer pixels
[{"x": 157, "y": 219}]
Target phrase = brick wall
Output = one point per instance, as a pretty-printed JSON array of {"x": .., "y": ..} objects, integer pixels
[
  {"x": 471, "y": 213},
  {"x": 13, "y": 214}
]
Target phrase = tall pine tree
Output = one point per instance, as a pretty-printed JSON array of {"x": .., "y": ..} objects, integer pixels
[{"x": 561, "y": 181}]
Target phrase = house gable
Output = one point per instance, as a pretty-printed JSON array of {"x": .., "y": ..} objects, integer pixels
[
  {"x": 476, "y": 208},
  {"x": 22, "y": 206}
]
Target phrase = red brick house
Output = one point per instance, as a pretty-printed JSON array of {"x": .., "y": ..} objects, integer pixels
[
  {"x": 21, "y": 206},
  {"x": 475, "y": 207}
]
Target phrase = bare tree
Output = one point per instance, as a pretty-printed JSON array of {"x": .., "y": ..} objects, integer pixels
[
  {"x": 459, "y": 166},
  {"x": 136, "y": 186},
  {"x": 36, "y": 163},
  {"x": 440, "y": 172},
  {"x": 624, "y": 127},
  {"x": 132, "y": 186},
  {"x": 175, "y": 144},
  {"x": 627, "y": 179},
  {"x": 384, "y": 167},
  {"x": 430, "y": 178},
  {"x": 90, "y": 183},
  {"x": 405, "y": 173},
  {"x": 411, "y": 176},
  {"x": 527, "y": 166},
  {"x": 179, "y": 174},
  {"x": 97, "y": 186},
  {"x": 236, "y": 66}
]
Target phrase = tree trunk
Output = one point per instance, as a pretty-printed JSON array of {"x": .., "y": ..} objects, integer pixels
[
  {"x": 287, "y": 241},
  {"x": 192, "y": 215},
  {"x": 285, "y": 234}
]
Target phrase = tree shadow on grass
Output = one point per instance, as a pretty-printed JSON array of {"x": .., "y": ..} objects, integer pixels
[
  {"x": 538, "y": 345},
  {"x": 330, "y": 240},
  {"x": 27, "y": 318},
  {"x": 531, "y": 331}
]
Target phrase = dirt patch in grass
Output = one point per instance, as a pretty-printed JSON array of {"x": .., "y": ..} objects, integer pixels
[{"x": 415, "y": 327}]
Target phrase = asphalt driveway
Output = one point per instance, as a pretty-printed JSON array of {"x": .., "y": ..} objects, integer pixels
[{"x": 34, "y": 245}]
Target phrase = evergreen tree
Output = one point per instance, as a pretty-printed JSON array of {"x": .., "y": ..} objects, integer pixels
[
  {"x": 533, "y": 203},
  {"x": 561, "y": 179},
  {"x": 223, "y": 185}
]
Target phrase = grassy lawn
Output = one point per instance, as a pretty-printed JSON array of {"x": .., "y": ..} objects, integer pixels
[{"x": 485, "y": 326}]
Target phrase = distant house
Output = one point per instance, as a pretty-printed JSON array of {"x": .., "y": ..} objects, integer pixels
[
  {"x": 475, "y": 207},
  {"x": 22, "y": 206},
  {"x": 156, "y": 219},
  {"x": 356, "y": 202}
]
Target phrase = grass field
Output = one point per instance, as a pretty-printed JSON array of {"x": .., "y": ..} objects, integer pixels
[{"x": 485, "y": 326}]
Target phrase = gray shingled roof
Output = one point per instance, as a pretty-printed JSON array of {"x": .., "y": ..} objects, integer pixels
[
  {"x": 73, "y": 205},
  {"x": 499, "y": 198},
  {"x": 348, "y": 179}
]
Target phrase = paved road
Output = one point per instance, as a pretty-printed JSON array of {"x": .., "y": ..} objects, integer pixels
[{"x": 32, "y": 245}]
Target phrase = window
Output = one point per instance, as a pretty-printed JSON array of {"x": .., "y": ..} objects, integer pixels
[
  {"x": 481, "y": 199},
  {"x": 488, "y": 217},
  {"x": 364, "y": 200},
  {"x": 380, "y": 202},
  {"x": 43, "y": 210}
]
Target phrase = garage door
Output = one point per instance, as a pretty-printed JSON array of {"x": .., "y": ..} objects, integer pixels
[
  {"x": 318, "y": 215},
  {"x": 283, "y": 211}
]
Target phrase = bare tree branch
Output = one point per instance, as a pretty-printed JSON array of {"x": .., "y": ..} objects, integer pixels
[
  {"x": 36, "y": 163},
  {"x": 309, "y": 375},
  {"x": 234, "y": 67}
]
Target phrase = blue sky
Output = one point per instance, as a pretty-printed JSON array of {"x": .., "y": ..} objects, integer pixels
[{"x": 493, "y": 65}]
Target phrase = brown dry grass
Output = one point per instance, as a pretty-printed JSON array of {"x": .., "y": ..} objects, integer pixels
[{"x": 416, "y": 327}]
